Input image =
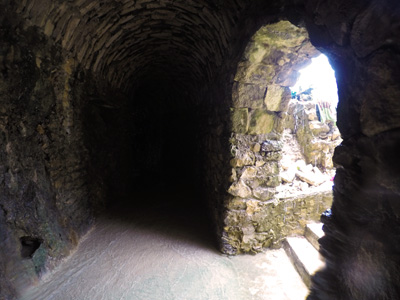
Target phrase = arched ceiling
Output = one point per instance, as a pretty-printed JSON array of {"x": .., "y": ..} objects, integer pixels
[{"x": 123, "y": 40}]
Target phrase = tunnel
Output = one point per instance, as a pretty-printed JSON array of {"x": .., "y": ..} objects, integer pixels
[{"x": 122, "y": 107}]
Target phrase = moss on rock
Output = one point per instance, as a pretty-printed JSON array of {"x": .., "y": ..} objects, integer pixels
[
  {"x": 240, "y": 120},
  {"x": 261, "y": 121}
]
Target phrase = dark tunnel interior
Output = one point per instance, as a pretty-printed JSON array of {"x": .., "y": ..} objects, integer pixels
[
  {"x": 157, "y": 176},
  {"x": 162, "y": 129}
]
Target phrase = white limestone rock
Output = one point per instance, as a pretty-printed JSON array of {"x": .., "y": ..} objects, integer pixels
[{"x": 310, "y": 178}]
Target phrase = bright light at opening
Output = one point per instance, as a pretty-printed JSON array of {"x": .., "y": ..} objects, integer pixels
[{"x": 320, "y": 76}]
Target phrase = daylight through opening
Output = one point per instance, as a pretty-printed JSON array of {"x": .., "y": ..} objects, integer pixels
[
  {"x": 310, "y": 135},
  {"x": 283, "y": 139}
]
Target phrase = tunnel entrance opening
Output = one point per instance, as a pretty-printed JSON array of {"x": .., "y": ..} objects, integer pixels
[{"x": 266, "y": 123}]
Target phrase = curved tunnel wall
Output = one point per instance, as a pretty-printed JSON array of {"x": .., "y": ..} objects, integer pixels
[
  {"x": 121, "y": 39},
  {"x": 69, "y": 69},
  {"x": 80, "y": 80}
]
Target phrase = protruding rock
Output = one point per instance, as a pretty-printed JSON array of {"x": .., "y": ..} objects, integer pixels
[
  {"x": 276, "y": 98},
  {"x": 249, "y": 172},
  {"x": 240, "y": 189},
  {"x": 271, "y": 146},
  {"x": 252, "y": 207},
  {"x": 256, "y": 147}
]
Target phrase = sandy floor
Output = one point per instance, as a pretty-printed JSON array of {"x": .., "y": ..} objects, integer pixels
[{"x": 161, "y": 255}]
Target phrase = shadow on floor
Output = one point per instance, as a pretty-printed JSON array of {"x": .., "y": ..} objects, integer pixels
[
  {"x": 146, "y": 249},
  {"x": 177, "y": 212}
]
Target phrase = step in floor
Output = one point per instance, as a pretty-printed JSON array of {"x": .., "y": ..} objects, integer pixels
[
  {"x": 304, "y": 257},
  {"x": 313, "y": 232}
]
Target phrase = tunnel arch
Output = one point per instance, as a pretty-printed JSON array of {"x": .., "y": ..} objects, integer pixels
[
  {"x": 255, "y": 217},
  {"x": 339, "y": 48},
  {"x": 118, "y": 39}
]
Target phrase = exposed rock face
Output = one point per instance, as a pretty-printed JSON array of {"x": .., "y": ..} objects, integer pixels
[
  {"x": 49, "y": 187},
  {"x": 363, "y": 226},
  {"x": 43, "y": 186},
  {"x": 71, "y": 72},
  {"x": 260, "y": 99}
]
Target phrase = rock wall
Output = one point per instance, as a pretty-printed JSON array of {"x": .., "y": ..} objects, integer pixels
[
  {"x": 316, "y": 139},
  {"x": 255, "y": 217},
  {"x": 53, "y": 163},
  {"x": 263, "y": 224},
  {"x": 43, "y": 194},
  {"x": 361, "y": 233}
]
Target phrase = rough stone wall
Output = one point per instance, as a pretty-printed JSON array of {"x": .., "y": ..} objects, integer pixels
[
  {"x": 50, "y": 179},
  {"x": 64, "y": 131},
  {"x": 43, "y": 167},
  {"x": 317, "y": 140},
  {"x": 260, "y": 99},
  {"x": 361, "y": 242},
  {"x": 124, "y": 40},
  {"x": 107, "y": 139},
  {"x": 213, "y": 137},
  {"x": 263, "y": 224}
]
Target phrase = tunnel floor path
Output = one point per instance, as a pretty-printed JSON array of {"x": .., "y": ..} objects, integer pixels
[{"x": 164, "y": 253}]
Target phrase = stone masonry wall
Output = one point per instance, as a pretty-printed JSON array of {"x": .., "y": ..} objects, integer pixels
[
  {"x": 64, "y": 132},
  {"x": 122, "y": 40},
  {"x": 50, "y": 180},
  {"x": 317, "y": 140},
  {"x": 255, "y": 218}
]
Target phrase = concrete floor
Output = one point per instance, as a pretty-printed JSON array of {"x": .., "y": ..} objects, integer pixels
[{"x": 161, "y": 254}]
